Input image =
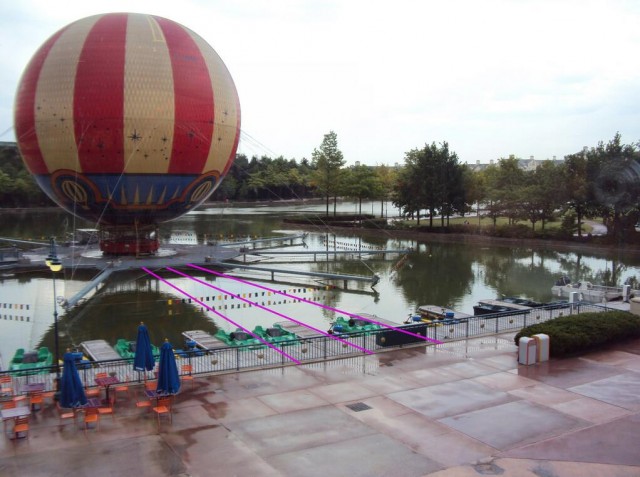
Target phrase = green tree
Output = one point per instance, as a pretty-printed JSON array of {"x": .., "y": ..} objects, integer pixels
[
  {"x": 542, "y": 193},
  {"x": 18, "y": 188},
  {"x": 362, "y": 182},
  {"x": 577, "y": 187},
  {"x": 328, "y": 162},
  {"x": 504, "y": 182},
  {"x": 432, "y": 180},
  {"x": 475, "y": 189},
  {"x": 616, "y": 184},
  {"x": 387, "y": 177}
]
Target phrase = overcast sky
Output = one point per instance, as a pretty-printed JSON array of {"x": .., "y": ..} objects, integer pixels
[{"x": 536, "y": 78}]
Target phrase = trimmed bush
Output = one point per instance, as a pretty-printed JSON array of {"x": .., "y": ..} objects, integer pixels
[{"x": 576, "y": 334}]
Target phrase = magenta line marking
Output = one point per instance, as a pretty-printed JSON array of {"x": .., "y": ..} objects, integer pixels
[
  {"x": 365, "y": 350},
  {"x": 314, "y": 303},
  {"x": 221, "y": 315}
]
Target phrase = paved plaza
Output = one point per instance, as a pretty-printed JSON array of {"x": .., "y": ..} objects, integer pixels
[{"x": 462, "y": 409}]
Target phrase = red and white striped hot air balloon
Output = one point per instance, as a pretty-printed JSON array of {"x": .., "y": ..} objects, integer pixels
[{"x": 127, "y": 120}]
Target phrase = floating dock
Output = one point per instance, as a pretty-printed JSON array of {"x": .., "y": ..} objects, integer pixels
[
  {"x": 99, "y": 350},
  {"x": 506, "y": 304},
  {"x": 376, "y": 319},
  {"x": 298, "y": 330},
  {"x": 204, "y": 340},
  {"x": 435, "y": 312}
]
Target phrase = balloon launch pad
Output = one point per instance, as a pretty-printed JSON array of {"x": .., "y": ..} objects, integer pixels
[{"x": 127, "y": 120}]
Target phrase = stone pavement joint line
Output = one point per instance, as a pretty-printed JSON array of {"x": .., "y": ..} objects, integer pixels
[{"x": 461, "y": 409}]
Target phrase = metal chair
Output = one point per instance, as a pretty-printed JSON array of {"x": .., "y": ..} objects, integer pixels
[
  {"x": 187, "y": 374},
  {"x": 6, "y": 385},
  {"x": 92, "y": 392},
  {"x": 95, "y": 390},
  {"x": 65, "y": 414},
  {"x": 143, "y": 403},
  {"x": 21, "y": 426},
  {"x": 49, "y": 395},
  {"x": 122, "y": 388},
  {"x": 35, "y": 401},
  {"x": 110, "y": 408},
  {"x": 7, "y": 405},
  {"x": 163, "y": 408},
  {"x": 91, "y": 414}
]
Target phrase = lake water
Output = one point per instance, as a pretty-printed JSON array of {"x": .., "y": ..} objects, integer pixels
[{"x": 447, "y": 274}]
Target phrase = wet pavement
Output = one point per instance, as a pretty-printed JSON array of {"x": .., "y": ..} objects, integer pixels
[{"x": 460, "y": 409}]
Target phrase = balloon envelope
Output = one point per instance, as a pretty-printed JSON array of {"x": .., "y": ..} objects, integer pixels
[{"x": 127, "y": 118}]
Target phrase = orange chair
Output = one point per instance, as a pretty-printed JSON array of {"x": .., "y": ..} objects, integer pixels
[
  {"x": 163, "y": 408},
  {"x": 48, "y": 395},
  {"x": 122, "y": 388},
  {"x": 91, "y": 414},
  {"x": 187, "y": 374},
  {"x": 95, "y": 390},
  {"x": 20, "y": 398},
  {"x": 7, "y": 405},
  {"x": 65, "y": 414},
  {"x": 110, "y": 408},
  {"x": 21, "y": 426},
  {"x": 35, "y": 401},
  {"x": 6, "y": 385},
  {"x": 143, "y": 403},
  {"x": 92, "y": 392}
]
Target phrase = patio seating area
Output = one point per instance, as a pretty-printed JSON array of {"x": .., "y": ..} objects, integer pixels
[{"x": 462, "y": 408}]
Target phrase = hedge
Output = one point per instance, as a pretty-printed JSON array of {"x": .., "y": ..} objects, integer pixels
[{"x": 576, "y": 334}]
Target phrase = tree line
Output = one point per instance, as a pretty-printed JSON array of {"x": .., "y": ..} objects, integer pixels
[{"x": 597, "y": 182}]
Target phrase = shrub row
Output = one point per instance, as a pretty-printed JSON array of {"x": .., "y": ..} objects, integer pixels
[{"x": 576, "y": 334}]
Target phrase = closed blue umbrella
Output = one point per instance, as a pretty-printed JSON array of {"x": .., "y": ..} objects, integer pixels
[
  {"x": 168, "y": 377},
  {"x": 71, "y": 389},
  {"x": 143, "y": 360}
]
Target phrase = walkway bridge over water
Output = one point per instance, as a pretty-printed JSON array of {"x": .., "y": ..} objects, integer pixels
[{"x": 227, "y": 255}]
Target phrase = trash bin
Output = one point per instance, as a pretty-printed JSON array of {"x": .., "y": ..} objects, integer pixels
[
  {"x": 527, "y": 350},
  {"x": 542, "y": 345}
]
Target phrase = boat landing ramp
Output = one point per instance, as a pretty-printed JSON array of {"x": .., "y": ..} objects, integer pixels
[
  {"x": 99, "y": 350},
  {"x": 204, "y": 340}
]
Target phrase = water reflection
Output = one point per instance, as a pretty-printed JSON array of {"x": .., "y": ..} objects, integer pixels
[{"x": 112, "y": 315}]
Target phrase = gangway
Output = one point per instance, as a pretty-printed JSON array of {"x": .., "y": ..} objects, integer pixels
[
  {"x": 254, "y": 243},
  {"x": 374, "y": 279},
  {"x": 95, "y": 283},
  {"x": 335, "y": 253},
  {"x": 204, "y": 340},
  {"x": 99, "y": 350}
]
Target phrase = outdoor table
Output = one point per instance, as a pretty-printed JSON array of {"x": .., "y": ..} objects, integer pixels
[
  {"x": 32, "y": 388},
  {"x": 106, "y": 382},
  {"x": 93, "y": 402},
  {"x": 151, "y": 394},
  {"x": 14, "y": 412}
]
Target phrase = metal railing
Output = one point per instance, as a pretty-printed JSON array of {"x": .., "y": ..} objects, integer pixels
[{"x": 310, "y": 350}]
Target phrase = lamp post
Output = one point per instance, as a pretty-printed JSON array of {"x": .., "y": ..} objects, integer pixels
[{"x": 54, "y": 263}]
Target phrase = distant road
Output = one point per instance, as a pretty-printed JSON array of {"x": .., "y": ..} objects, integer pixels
[{"x": 597, "y": 227}]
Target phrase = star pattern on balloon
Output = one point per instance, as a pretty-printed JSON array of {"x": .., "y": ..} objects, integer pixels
[{"x": 135, "y": 137}]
